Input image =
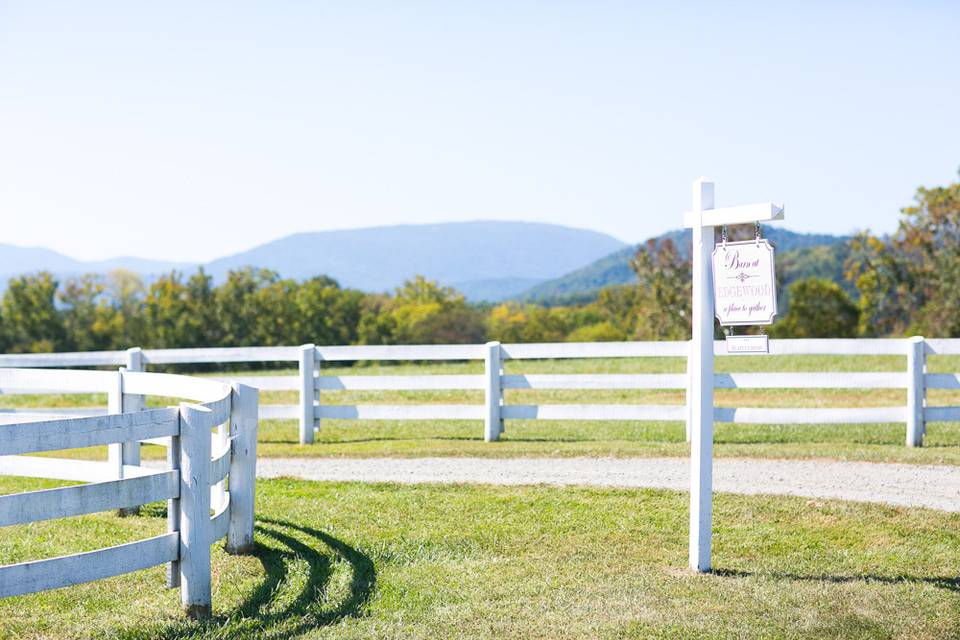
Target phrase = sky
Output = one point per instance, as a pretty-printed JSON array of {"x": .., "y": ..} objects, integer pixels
[{"x": 187, "y": 131}]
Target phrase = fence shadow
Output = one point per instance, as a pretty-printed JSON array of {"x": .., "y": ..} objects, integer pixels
[
  {"x": 266, "y": 612},
  {"x": 941, "y": 582}
]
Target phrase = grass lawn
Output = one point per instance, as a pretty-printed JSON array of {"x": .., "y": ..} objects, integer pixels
[
  {"x": 545, "y": 438},
  {"x": 348, "y": 560}
]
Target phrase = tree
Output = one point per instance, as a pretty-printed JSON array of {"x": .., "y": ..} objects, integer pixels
[
  {"x": 31, "y": 321},
  {"x": 819, "y": 308},
  {"x": 664, "y": 294},
  {"x": 90, "y": 321}
]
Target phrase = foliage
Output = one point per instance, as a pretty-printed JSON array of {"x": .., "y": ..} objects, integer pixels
[
  {"x": 911, "y": 281},
  {"x": 819, "y": 308},
  {"x": 31, "y": 320},
  {"x": 663, "y": 303}
]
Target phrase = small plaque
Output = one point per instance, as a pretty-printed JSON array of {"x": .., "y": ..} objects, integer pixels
[
  {"x": 744, "y": 286},
  {"x": 748, "y": 344}
]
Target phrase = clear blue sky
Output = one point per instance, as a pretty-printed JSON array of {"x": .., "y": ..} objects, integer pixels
[{"x": 192, "y": 130}]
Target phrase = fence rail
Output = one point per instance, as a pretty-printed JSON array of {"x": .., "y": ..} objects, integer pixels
[
  {"x": 208, "y": 441},
  {"x": 310, "y": 384}
]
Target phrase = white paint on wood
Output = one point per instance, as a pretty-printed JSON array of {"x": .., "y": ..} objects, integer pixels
[
  {"x": 220, "y": 521},
  {"x": 630, "y": 412},
  {"x": 916, "y": 369},
  {"x": 595, "y": 381},
  {"x": 65, "y": 571},
  {"x": 943, "y": 346},
  {"x": 701, "y": 374},
  {"x": 866, "y": 415},
  {"x": 65, "y": 469},
  {"x": 54, "y": 381},
  {"x": 175, "y": 386},
  {"x": 280, "y": 411},
  {"x": 64, "y": 359},
  {"x": 243, "y": 469},
  {"x": 402, "y": 352},
  {"x": 403, "y": 412},
  {"x": 195, "y": 425},
  {"x": 942, "y": 381},
  {"x": 558, "y": 350},
  {"x": 76, "y": 433},
  {"x": 221, "y": 354},
  {"x": 809, "y": 380},
  {"x": 307, "y": 370},
  {"x": 941, "y": 414},
  {"x": 401, "y": 383},
  {"x": 266, "y": 383},
  {"x": 63, "y": 502},
  {"x": 493, "y": 394},
  {"x": 742, "y": 214}
]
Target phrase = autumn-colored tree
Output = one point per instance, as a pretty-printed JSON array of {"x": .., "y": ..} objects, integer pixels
[
  {"x": 664, "y": 292},
  {"x": 819, "y": 308}
]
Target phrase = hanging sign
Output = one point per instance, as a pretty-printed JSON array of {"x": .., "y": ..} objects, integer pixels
[{"x": 744, "y": 287}]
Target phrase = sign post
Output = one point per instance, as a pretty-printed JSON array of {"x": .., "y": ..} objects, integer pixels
[{"x": 703, "y": 219}]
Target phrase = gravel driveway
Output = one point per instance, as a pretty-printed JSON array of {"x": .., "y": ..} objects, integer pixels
[{"x": 937, "y": 487}]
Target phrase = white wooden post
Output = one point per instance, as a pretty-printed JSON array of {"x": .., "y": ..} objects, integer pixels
[
  {"x": 703, "y": 219},
  {"x": 690, "y": 385},
  {"x": 701, "y": 383},
  {"x": 916, "y": 390},
  {"x": 244, "y": 408},
  {"x": 131, "y": 404},
  {"x": 174, "y": 452},
  {"x": 493, "y": 419},
  {"x": 308, "y": 366},
  {"x": 115, "y": 406},
  {"x": 195, "y": 531}
]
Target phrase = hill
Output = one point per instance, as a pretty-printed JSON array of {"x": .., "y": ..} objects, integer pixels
[
  {"x": 16, "y": 260},
  {"x": 486, "y": 260},
  {"x": 803, "y": 253}
]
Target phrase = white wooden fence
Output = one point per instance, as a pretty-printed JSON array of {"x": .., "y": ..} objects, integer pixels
[
  {"x": 311, "y": 385},
  {"x": 199, "y": 461}
]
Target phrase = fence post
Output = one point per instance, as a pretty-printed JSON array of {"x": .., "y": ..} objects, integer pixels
[
  {"x": 115, "y": 406},
  {"x": 308, "y": 366},
  {"x": 244, "y": 407},
  {"x": 195, "y": 426},
  {"x": 916, "y": 390},
  {"x": 493, "y": 393},
  {"x": 689, "y": 390},
  {"x": 173, "y": 510},
  {"x": 131, "y": 403}
]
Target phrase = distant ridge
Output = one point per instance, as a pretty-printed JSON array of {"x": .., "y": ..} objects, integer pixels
[
  {"x": 582, "y": 284},
  {"x": 485, "y": 260}
]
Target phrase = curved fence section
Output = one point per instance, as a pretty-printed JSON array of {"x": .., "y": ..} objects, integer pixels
[{"x": 211, "y": 466}]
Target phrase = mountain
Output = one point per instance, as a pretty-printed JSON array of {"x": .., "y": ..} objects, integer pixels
[
  {"x": 802, "y": 253},
  {"x": 16, "y": 260},
  {"x": 485, "y": 260}
]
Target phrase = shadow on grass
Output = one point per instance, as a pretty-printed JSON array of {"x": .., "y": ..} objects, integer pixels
[
  {"x": 950, "y": 584},
  {"x": 269, "y": 613}
]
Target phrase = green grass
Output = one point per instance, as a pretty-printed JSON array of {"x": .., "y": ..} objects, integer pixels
[
  {"x": 348, "y": 560},
  {"x": 543, "y": 438}
]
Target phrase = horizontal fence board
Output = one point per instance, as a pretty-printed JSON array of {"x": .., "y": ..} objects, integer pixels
[
  {"x": 401, "y": 352},
  {"x": 266, "y": 383},
  {"x": 593, "y": 350},
  {"x": 595, "y": 381},
  {"x": 65, "y": 571},
  {"x": 220, "y": 522},
  {"x": 64, "y": 502},
  {"x": 66, "y": 469},
  {"x": 400, "y": 383},
  {"x": 943, "y": 346},
  {"x": 64, "y": 359},
  {"x": 829, "y": 347},
  {"x": 811, "y": 380},
  {"x": 279, "y": 412},
  {"x": 941, "y": 414},
  {"x": 76, "y": 433},
  {"x": 942, "y": 381},
  {"x": 594, "y": 412},
  {"x": 401, "y": 412},
  {"x": 220, "y": 465},
  {"x": 16, "y": 416},
  {"x": 811, "y": 416},
  {"x": 221, "y": 354},
  {"x": 174, "y": 386},
  {"x": 55, "y": 381}
]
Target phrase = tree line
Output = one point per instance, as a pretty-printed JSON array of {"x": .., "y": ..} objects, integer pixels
[{"x": 906, "y": 283}]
